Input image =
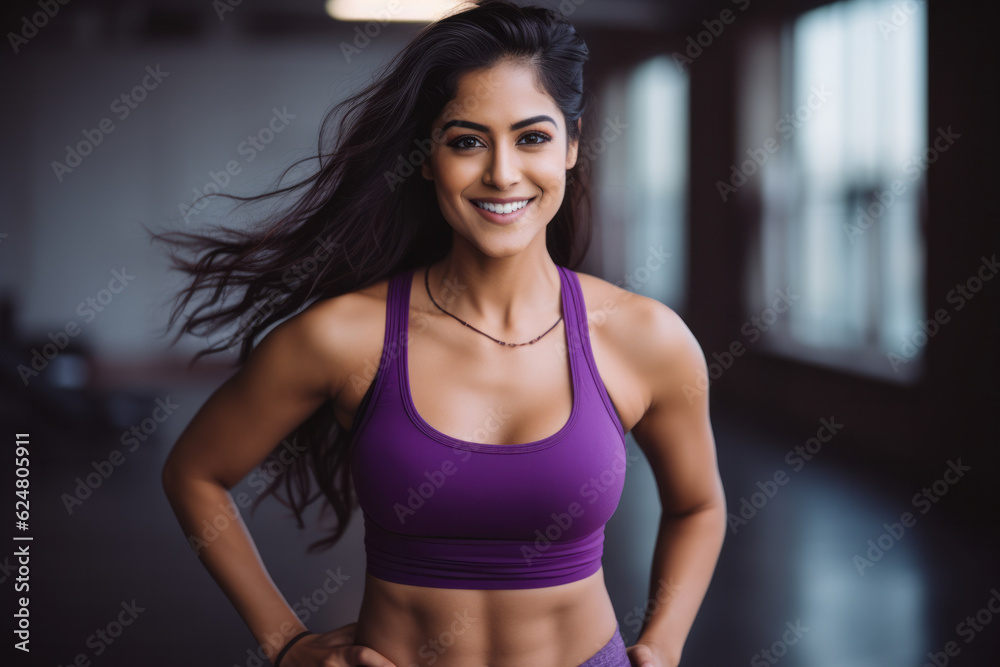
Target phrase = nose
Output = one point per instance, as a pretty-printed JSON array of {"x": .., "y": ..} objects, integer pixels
[{"x": 503, "y": 169}]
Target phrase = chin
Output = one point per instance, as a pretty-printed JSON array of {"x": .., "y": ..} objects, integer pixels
[{"x": 500, "y": 251}]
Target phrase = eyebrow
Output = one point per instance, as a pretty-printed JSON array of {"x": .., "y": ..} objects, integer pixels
[{"x": 482, "y": 128}]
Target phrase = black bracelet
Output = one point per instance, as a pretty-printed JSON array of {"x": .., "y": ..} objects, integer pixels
[{"x": 289, "y": 645}]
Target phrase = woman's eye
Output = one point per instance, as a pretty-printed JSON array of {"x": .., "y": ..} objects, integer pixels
[
  {"x": 540, "y": 137},
  {"x": 530, "y": 139},
  {"x": 461, "y": 144}
]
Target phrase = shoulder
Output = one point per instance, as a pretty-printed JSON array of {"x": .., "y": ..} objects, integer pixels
[
  {"x": 645, "y": 334},
  {"x": 335, "y": 335},
  {"x": 342, "y": 313},
  {"x": 642, "y": 323}
]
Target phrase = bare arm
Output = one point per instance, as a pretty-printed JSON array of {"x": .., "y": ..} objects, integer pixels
[
  {"x": 284, "y": 380},
  {"x": 675, "y": 434}
]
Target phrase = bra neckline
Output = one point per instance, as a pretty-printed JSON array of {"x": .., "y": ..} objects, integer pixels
[{"x": 451, "y": 441}]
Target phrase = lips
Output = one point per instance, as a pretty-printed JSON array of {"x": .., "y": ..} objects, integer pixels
[
  {"x": 502, "y": 206},
  {"x": 498, "y": 200},
  {"x": 503, "y": 214}
]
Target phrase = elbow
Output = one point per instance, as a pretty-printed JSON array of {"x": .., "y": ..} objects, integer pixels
[
  {"x": 709, "y": 515},
  {"x": 720, "y": 501},
  {"x": 170, "y": 476},
  {"x": 178, "y": 477},
  {"x": 716, "y": 507},
  {"x": 174, "y": 476}
]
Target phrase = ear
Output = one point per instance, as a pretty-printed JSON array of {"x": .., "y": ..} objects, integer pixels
[
  {"x": 573, "y": 147},
  {"x": 425, "y": 168}
]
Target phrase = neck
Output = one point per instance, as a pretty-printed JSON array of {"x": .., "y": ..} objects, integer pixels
[{"x": 512, "y": 298}]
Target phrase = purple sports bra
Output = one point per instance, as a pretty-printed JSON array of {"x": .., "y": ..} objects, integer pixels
[{"x": 449, "y": 513}]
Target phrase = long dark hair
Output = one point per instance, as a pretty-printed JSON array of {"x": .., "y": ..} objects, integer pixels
[{"x": 366, "y": 214}]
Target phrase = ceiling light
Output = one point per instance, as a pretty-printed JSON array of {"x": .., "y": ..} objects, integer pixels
[{"x": 423, "y": 11}]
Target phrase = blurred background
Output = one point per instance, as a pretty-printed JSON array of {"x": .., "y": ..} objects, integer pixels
[{"x": 822, "y": 175}]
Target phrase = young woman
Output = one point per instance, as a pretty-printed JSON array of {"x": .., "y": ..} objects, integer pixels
[{"x": 434, "y": 352}]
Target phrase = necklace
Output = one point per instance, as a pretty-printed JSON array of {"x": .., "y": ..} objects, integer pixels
[{"x": 427, "y": 285}]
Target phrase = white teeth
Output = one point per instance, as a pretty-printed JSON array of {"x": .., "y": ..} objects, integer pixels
[{"x": 502, "y": 208}]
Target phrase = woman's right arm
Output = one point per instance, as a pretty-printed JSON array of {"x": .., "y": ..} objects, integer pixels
[{"x": 290, "y": 373}]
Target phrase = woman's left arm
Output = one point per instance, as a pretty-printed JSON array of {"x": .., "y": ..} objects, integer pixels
[{"x": 675, "y": 434}]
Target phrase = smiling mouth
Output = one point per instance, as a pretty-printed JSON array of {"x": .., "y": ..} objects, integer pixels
[{"x": 502, "y": 209}]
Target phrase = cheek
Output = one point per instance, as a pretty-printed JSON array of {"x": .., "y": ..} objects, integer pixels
[
  {"x": 451, "y": 180},
  {"x": 455, "y": 175},
  {"x": 552, "y": 179}
]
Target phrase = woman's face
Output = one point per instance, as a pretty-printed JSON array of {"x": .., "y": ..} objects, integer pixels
[{"x": 501, "y": 138}]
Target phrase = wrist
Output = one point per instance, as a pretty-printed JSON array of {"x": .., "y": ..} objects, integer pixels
[
  {"x": 664, "y": 653},
  {"x": 288, "y": 645}
]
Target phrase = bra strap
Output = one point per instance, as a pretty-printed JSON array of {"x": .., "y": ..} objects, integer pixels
[
  {"x": 389, "y": 359},
  {"x": 397, "y": 328},
  {"x": 576, "y": 326},
  {"x": 578, "y": 335}
]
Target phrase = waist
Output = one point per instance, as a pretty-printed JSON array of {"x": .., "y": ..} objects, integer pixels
[{"x": 558, "y": 625}]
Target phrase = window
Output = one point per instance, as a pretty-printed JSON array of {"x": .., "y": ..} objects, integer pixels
[
  {"x": 642, "y": 180},
  {"x": 841, "y": 194}
]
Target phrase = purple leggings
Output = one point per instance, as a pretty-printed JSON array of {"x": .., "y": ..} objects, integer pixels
[{"x": 611, "y": 654}]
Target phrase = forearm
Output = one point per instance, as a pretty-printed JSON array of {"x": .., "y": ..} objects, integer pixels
[
  {"x": 231, "y": 557},
  {"x": 687, "y": 550}
]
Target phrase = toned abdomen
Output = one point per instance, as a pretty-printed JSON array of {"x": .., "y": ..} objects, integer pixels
[{"x": 557, "y": 626}]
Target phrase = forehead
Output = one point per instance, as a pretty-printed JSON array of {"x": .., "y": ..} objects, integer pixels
[{"x": 506, "y": 91}]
